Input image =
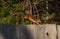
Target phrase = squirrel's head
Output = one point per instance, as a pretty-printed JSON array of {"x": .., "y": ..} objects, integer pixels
[{"x": 26, "y": 17}]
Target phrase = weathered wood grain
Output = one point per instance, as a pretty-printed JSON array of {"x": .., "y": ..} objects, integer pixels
[
  {"x": 50, "y": 31},
  {"x": 37, "y": 31},
  {"x": 33, "y": 30}
]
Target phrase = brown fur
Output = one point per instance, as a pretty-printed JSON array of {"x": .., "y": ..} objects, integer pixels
[{"x": 32, "y": 19}]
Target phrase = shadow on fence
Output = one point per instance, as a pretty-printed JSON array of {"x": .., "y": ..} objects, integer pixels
[
  {"x": 15, "y": 32},
  {"x": 8, "y": 31}
]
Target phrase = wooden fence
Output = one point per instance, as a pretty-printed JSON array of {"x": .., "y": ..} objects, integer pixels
[{"x": 45, "y": 31}]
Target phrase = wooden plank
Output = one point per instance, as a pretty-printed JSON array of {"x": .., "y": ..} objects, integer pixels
[
  {"x": 40, "y": 32},
  {"x": 50, "y": 31},
  {"x": 33, "y": 31},
  {"x": 36, "y": 31},
  {"x": 58, "y": 31}
]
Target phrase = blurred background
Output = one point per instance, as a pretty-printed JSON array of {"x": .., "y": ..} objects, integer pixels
[{"x": 12, "y": 11}]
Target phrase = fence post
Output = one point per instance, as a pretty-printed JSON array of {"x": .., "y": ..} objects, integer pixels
[
  {"x": 37, "y": 31},
  {"x": 58, "y": 31},
  {"x": 50, "y": 31}
]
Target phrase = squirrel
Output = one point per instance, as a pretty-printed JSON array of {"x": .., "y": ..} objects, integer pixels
[{"x": 32, "y": 19}]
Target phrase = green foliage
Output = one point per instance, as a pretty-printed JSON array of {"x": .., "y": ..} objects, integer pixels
[
  {"x": 7, "y": 16},
  {"x": 26, "y": 22},
  {"x": 6, "y": 13}
]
